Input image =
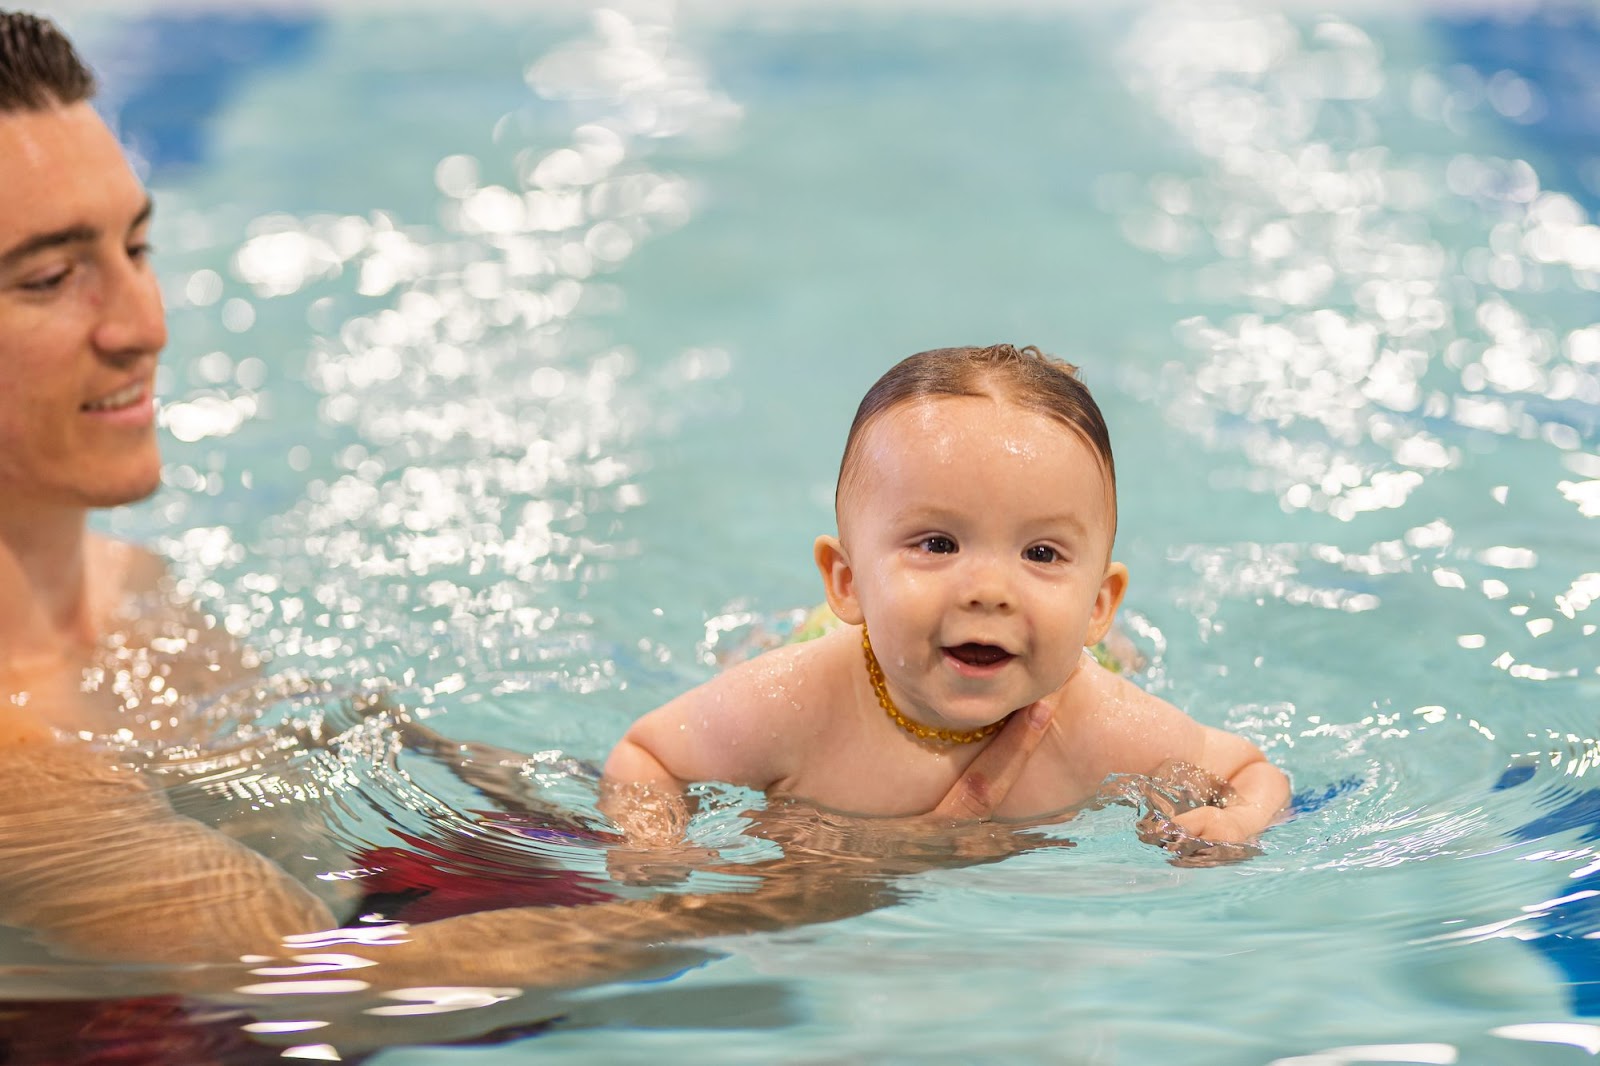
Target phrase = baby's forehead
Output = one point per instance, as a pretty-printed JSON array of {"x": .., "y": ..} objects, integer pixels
[
  {"x": 929, "y": 427},
  {"x": 927, "y": 431}
]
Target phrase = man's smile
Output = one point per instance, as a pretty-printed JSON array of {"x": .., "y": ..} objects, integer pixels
[{"x": 124, "y": 397}]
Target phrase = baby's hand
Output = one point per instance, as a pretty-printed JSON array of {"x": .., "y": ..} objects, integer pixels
[
  {"x": 1204, "y": 836},
  {"x": 653, "y": 825},
  {"x": 657, "y": 866},
  {"x": 1216, "y": 824}
]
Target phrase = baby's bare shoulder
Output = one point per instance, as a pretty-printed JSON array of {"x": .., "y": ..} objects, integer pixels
[
  {"x": 793, "y": 679},
  {"x": 754, "y": 721},
  {"x": 1123, "y": 727}
]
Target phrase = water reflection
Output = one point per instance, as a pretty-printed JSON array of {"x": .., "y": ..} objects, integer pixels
[{"x": 313, "y": 775}]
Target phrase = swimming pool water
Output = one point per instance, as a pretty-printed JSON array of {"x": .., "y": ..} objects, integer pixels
[{"x": 511, "y": 349}]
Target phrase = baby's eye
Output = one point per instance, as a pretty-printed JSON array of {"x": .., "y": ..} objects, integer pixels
[
  {"x": 938, "y": 545},
  {"x": 1041, "y": 553}
]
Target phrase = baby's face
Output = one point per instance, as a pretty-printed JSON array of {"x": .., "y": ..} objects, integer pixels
[{"x": 978, "y": 535}]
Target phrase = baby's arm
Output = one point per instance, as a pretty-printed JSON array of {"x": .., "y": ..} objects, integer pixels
[
  {"x": 743, "y": 727},
  {"x": 1260, "y": 790},
  {"x": 1132, "y": 731}
]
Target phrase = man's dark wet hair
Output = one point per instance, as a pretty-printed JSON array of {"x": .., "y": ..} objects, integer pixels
[{"x": 39, "y": 68}]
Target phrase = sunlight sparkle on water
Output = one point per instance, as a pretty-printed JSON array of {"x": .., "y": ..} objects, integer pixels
[
  {"x": 485, "y": 446},
  {"x": 443, "y": 1000},
  {"x": 1249, "y": 91},
  {"x": 1574, "y": 1034},
  {"x": 1434, "y": 1054}
]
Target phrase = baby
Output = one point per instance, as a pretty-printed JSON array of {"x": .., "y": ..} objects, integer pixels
[{"x": 976, "y": 509}]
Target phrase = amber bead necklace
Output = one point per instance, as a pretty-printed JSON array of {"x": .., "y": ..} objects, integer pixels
[{"x": 916, "y": 729}]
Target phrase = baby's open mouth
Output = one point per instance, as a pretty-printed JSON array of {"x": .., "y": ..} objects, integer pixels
[{"x": 978, "y": 654}]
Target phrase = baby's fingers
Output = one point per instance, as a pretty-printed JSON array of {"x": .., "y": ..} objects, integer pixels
[
  {"x": 1188, "y": 847},
  {"x": 647, "y": 867},
  {"x": 1214, "y": 824},
  {"x": 1157, "y": 829},
  {"x": 1219, "y": 853}
]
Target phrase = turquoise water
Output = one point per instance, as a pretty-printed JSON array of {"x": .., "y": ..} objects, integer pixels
[{"x": 511, "y": 357}]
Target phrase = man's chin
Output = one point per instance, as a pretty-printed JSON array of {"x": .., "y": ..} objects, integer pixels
[{"x": 126, "y": 491}]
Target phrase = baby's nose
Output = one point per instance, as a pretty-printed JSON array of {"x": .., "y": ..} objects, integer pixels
[{"x": 987, "y": 584}]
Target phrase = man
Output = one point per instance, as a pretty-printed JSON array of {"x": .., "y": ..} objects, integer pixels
[{"x": 81, "y": 328}]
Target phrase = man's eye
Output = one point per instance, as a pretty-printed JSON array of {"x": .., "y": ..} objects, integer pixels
[
  {"x": 1041, "y": 553},
  {"x": 140, "y": 251},
  {"x": 938, "y": 545},
  {"x": 48, "y": 283}
]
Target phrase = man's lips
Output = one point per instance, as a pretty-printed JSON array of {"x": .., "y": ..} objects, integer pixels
[{"x": 126, "y": 396}]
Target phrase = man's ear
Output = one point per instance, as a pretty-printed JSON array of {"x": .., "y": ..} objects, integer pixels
[
  {"x": 838, "y": 580},
  {"x": 1106, "y": 602}
]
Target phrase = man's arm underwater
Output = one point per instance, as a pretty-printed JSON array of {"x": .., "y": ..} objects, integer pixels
[
  {"x": 134, "y": 881},
  {"x": 93, "y": 859},
  {"x": 96, "y": 864},
  {"x": 569, "y": 946}
]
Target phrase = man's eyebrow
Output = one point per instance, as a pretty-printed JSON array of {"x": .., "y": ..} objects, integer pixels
[
  {"x": 70, "y": 235},
  {"x": 40, "y": 242}
]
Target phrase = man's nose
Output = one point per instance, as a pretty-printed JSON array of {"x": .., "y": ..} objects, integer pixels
[{"x": 133, "y": 322}]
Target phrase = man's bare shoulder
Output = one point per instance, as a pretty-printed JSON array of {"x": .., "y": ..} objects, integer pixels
[
  {"x": 120, "y": 568},
  {"x": 137, "y": 599},
  {"x": 146, "y": 571}
]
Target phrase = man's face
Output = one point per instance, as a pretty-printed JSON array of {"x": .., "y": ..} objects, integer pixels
[{"x": 81, "y": 322}]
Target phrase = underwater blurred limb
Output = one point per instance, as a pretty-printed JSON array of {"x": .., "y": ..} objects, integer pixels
[
  {"x": 135, "y": 881},
  {"x": 833, "y": 867},
  {"x": 96, "y": 864}
]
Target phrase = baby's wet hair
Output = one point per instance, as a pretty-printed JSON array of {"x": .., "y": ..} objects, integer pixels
[
  {"x": 39, "y": 68},
  {"x": 1024, "y": 376}
]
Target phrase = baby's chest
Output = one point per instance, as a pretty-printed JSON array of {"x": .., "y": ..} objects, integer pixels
[
  {"x": 1073, "y": 762},
  {"x": 907, "y": 780},
  {"x": 1048, "y": 786}
]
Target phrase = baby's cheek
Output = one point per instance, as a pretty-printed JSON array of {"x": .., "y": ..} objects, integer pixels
[
  {"x": 1071, "y": 659},
  {"x": 1045, "y": 684}
]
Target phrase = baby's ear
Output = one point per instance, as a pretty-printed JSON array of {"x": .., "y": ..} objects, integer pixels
[
  {"x": 1106, "y": 602},
  {"x": 838, "y": 580}
]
